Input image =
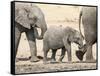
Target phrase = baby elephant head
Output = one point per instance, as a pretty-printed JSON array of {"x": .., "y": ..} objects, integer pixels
[{"x": 77, "y": 38}]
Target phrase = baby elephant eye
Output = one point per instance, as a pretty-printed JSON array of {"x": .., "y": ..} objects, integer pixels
[
  {"x": 35, "y": 18},
  {"x": 78, "y": 38}
]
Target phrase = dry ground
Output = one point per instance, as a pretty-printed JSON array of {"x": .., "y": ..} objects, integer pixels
[{"x": 55, "y": 15}]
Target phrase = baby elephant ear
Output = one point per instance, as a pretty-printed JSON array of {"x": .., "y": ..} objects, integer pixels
[
  {"x": 21, "y": 18},
  {"x": 70, "y": 38}
]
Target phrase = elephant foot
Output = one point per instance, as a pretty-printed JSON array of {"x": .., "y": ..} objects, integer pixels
[
  {"x": 80, "y": 55},
  {"x": 40, "y": 57},
  {"x": 45, "y": 62},
  {"x": 35, "y": 59},
  {"x": 69, "y": 62},
  {"x": 59, "y": 61},
  {"x": 53, "y": 61},
  {"x": 91, "y": 61}
]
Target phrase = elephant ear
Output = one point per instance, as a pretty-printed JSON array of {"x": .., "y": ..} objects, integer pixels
[
  {"x": 71, "y": 38},
  {"x": 21, "y": 17},
  {"x": 71, "y": 35}
]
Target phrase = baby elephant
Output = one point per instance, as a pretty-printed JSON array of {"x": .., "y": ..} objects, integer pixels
[{"x": 59, "y": 37}]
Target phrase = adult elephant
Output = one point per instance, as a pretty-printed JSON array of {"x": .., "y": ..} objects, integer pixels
[
  {"x": 28, "y": 17},
  {"x": 89, "y": 20}
]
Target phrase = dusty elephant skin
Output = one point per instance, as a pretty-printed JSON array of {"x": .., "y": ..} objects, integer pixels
[
  {"x": 58, "y": 37},
  {"x": 89, "y": 20},
  {"x": 28, "y": 18}
]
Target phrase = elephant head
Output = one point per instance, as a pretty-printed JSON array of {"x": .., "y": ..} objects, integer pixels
[
  {"x": 76, "y": 37},
  {"x": 29, "y": 15}
]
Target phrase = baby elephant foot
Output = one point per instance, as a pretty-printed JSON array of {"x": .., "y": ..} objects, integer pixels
[
  {"x": 45, "y": 62},
  {"x": 60, "y": 61},
  {"x": 35, "y": 59},
  {"x": 53, "y": 61},
  {"x": 80, "y": 55},
  {"x": 69, "y": 61}
]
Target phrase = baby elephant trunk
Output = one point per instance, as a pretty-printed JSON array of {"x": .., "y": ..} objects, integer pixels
[
  {"x": 80, "y": 43},
  {"x": 80, "y": 46}
]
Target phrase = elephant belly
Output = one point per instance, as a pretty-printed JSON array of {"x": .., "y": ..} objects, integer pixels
[
  {"x": 56, "y": 45},
  {"x": 53, "y": 37},
  {"x": 55, "y": 41}
]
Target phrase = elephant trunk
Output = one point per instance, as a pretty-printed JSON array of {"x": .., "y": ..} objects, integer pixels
[
  {"x": 43, "y": 30},
  {"x": 80, "y": 45}
]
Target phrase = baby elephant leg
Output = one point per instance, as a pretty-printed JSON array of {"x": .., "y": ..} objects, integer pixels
[
  {"x": 62, "y": 54},
  {"x": 53, "y": 59},
  {"x": 67, "y": 45},
  {"x": 45, "y": 49},
  {"x": 68, "y": 49},
  {"x": 69, "y": 55}
]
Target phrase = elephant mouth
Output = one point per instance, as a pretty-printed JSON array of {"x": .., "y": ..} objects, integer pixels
[
  {"x": 80, "y": 47},
  {"x": 33, "y": 25},
  {"x": 83, "y": 48}
]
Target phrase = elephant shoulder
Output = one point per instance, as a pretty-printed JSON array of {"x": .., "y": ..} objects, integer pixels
[{"x": 68, "y": 29}]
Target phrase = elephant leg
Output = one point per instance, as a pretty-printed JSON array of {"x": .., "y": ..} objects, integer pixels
[
  {"x": 89, "y": 55},
  {"x": 45, "y": 50},
  {"x": 53, "y": 59},
  {"x": 32, "y": 44},
  {"x": 17, "y": 39},
  {"x": 62, "y": 54},
  {"x": 69, "y": 54},
  {"x": 45, "y": 55},
  {"x": 68, "y": 49}
]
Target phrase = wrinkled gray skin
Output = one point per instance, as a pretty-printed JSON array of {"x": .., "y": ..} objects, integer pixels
[
  {"x": 58, "y": 37},
  {"x": 28, "y": 17},
  {"x": 89, "y": 20}
]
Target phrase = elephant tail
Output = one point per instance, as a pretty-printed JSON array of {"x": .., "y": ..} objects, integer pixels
[{"x": 80, "y": 16}]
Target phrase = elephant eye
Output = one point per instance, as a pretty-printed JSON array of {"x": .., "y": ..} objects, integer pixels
[
  {"x": 35, "y": 19},
  {"x": 78, "y": 38},
  {"x": 28, "y": 16}
]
